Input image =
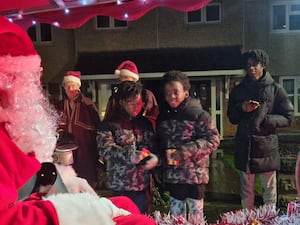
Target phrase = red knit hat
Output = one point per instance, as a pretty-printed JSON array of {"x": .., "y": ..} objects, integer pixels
[
  {"x": 127, "y": 68},
  {"x": 17, "y": 52},
  {"x": 72, "y": 76}
]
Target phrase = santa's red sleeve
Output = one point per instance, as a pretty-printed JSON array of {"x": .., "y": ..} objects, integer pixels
[
  {"x": 135, "y": 218},
  {"x": 29, "y": 212},
  {"x": 17, "y": 167}
]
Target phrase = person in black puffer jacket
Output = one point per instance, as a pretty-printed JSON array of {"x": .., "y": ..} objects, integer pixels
[
  {"x": 186, "y": 138},
  {"x": 258, "y": 105}
]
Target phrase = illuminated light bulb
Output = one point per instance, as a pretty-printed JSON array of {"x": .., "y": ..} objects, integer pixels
[
  {"x": 126, "y": 16},
  {"x": 56, "y": 24},
  {"x": 10, "y": 19},
  {"x": 33, "y": 22},
  {"x": 67, "y": 11},
  {"x": 119, "y": 2},
  {"x": 20, "y": 16}
]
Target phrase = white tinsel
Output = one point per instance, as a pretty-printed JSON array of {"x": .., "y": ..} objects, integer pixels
[
  {"x": 168, "y": 219},
  {"x": 266, "y": 214}
]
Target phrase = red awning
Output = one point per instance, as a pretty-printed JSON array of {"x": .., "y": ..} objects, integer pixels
[{"x": 70, "y": 14}]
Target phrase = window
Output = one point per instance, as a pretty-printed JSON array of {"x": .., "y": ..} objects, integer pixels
[
  {"x": 105, "y": 22},
  {"x": 292, "y": 87},
  {"x": 286, "y": 17},
  {"x": 211, "y": 13},
  {"x": 40, "y": 33}
]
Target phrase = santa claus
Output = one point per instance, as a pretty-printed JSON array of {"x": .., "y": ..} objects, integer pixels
[{"x": 28, "y": 138}]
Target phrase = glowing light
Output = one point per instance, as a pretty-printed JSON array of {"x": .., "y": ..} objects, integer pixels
[
  {"x": 10, "y": 19},
  {"x": 67, "y": 11},
  {"x": 126, "y": 16},
  {"x": 119, "y": 2},
  {"x": 33, "y": 22},
  {"x": 20, "y": 16},
  {"x": 56, "y": 24},
  {"x": 88, "y": 2}
]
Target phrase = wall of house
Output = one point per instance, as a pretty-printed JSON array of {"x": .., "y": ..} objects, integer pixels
[
  {"x": 284, "y": 54},
  {"x": 159, "y": 28},
  {"x": 245, "y": 23},
  {"x": 163, "y": 28},
  {"x": 57, "y": 56}
]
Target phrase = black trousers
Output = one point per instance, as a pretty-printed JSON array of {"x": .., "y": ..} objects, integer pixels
[{"x": 183, "y": 191}]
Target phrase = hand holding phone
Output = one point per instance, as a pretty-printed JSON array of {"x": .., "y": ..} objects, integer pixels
[{"x": 250, "y": 105}]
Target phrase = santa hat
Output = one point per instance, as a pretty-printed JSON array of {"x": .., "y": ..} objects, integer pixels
[
  {"x": 127, "y": 68},
  {"x": 73, "y": 76},
  {"x": 17, "y": 52}
]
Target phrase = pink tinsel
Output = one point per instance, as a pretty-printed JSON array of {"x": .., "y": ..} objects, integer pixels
[
  {"x": 168, "y": 219},
  {"x": 264, "y": 215}
]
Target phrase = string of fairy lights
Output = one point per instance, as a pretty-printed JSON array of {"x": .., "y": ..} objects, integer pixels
[{"x": 67, "y": 10}]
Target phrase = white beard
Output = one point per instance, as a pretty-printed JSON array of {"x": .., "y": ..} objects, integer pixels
[{"x": 29, "y": 119}]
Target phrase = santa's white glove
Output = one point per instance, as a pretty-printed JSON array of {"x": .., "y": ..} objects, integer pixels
[{"x": 84, "y": 208}]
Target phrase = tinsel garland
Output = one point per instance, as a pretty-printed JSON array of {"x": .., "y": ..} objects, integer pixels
[
  {"x": 168, "y": 219},
  {"x": 264, "y": 215}
]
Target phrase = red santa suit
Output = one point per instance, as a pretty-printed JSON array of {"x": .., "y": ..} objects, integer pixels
[
  {"x": 16, "y": 169},
  {"x": 20, "y": 161}
]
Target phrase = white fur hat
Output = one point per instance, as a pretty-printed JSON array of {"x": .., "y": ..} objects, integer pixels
[{"x": 72, "y": 76}]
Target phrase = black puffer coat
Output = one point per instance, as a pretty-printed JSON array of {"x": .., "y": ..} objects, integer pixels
[
  {"x": 256, "y": 143},
  {"x": 188, "y": 129}
]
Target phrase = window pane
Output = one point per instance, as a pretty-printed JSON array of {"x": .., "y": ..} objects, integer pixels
[
  {"x": 218, "y": 94},
  {"x": 218, "y": 121},
  {"x": 279, "y": 17},
  {"x": 194, "y": 16},
  {"x": 295, "y": 7},
  {"x": 295, "y": 22},
  {"x": 32, "y": 33},
  {"x": 46, "y": 34},
  {"x": 291, "y": 98},
  {"x": 288, "y": 85},
  {"x": 120, "y": 23},
  {"x": 213, "y": 13},
  {"x": 102, "y": 21}
]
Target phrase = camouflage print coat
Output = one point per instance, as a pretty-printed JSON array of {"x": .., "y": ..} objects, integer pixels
[
  {"x": 190, "y": 130},
  {"x": 118, "y": 139}
]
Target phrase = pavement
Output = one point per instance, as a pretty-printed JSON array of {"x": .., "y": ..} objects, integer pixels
[{"x": 222, "y": 192}]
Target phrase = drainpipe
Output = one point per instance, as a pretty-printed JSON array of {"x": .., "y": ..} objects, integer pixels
[{"x": 157, "y": 29}]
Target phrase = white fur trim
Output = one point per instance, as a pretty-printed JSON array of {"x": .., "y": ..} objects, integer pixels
[
  {"x": 73, "y": 79},
  {"x": 73, "y": 183},
  {"x": 65, "y": 171},
  {"x": 125, "y": 72},
  {"x": 17, "y": 64},
  {"x": 84, "y": 209}
]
